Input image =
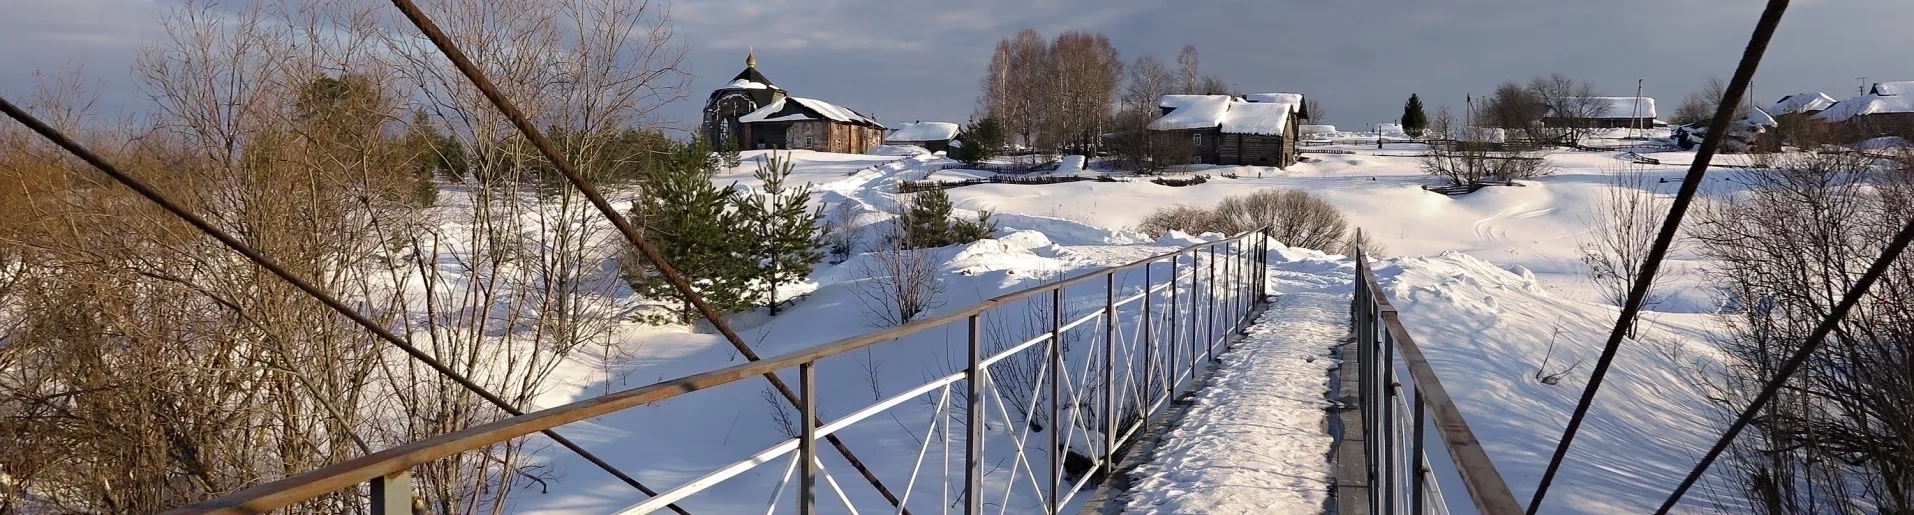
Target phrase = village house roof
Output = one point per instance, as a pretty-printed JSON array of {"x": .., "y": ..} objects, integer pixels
[
  {"x": 1192, "y": 111},
  {"x": 1755, "y": 116},
  {"x": 1258, "y": 118},
  {"x": 1893, "y": 88},
  {"x": 1275, "y": 98},
  {"x": 1231, "y": 115},
  {"x": 1801, "y": 103},
  {"x": 1865, "y": 105},
  {"x": 791, "y": 109},
  {"x": 923, "y": 131},
  {"x": 1621, "y": 107}
]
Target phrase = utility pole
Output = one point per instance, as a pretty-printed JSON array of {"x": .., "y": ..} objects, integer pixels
[
  {"x": 1468, "y": 115},
  {"x": 1862, "y": 89},
  {"x": 1635, "y": 120}
]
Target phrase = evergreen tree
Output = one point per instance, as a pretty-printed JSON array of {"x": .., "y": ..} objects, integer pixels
[
  {"x": 1414, "y": 121},
  {"x": 984, "y": 139},
  {"x": 927, "y": 222},
  {"x": 784, "y": 235},
  {"x": 692, "y": 223},
  {"x": 966, "y": 231}
]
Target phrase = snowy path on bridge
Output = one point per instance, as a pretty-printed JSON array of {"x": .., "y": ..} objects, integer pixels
[{"x": 1254, "y": 440}]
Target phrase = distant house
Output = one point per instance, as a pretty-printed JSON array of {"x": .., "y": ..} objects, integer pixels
[
  {"x": 1800, "y": 104},
  {"x": 1871, "y": 115},
  {"x": 1893, "y": 88},
  {"x": 809, "y": 124},
  {"x": 751, "y": 113},
  {"x": 1606, "y": 113},
  {"x": 933, "y": 136},
  {"x": 1259, "y": 129}
]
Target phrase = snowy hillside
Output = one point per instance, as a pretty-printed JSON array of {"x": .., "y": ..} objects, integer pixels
[{"x": 1486, "y": 282}]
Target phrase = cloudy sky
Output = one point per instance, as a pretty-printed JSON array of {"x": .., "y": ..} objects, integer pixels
[{"x": 920, "y": 59}]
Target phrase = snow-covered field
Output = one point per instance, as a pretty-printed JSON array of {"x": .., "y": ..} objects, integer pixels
[{"x": 1486, "y": 282}]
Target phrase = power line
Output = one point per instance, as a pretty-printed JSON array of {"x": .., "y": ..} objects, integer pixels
[
  {"x": 1690, "y": 184},
  {"x": 1794, "y": 362},
  {"x": 146, "y": 190}
]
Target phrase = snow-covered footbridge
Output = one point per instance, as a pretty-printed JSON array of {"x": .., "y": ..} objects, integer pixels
[{"x": 1196, "y": 380}]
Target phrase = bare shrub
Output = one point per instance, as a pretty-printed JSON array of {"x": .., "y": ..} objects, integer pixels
[
  {"x": 1625, "y": 223},
  {"x": 1295, "y": 218},
  {"x": 1786, "y": 249},
  {"x": 1178, "y": 218},
  {"x": 1467, "y": 165},
  {"x": 897, "y": 283}
]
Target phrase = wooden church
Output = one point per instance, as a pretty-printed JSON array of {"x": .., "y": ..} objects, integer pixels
[{"x": 752, "y": 113}]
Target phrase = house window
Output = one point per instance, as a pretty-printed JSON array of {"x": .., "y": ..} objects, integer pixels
[
  {"x": 1196, "y": 139},
  {"x": 808, "y": 143}
]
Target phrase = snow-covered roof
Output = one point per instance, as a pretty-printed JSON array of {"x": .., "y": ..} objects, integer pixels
[
  {"x": 747, "y": 84},
  {"x": 1886, "y": 89},
  {"x": 1389, "y": 128},
  {"x": 827, "y": 110},
  {"x": 1758, "y": 118},
  {"x": 1275, "y": 98},
  {"x": 1192, "y": 111},
  {"x": 1865, "y": 105},
  {"x": 1801, "y": 103},
  {"x": 1257, "y": 118},
  {"x": 1316, "y": 129},
  {"x": 923, "y": 131},
  {"x": 1622, "y": 107},
  {"x": 1233, "y": 116}
]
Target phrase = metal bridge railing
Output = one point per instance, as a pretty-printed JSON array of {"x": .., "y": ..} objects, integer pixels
[
  {"x": 1394, "y": 421},
  {"x": 1096, "y": 387}
]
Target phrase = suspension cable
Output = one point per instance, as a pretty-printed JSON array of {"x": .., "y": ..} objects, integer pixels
[
  {"x": 631, "y": 234},
  {"x": 151, "y": 194},
  {"x": 1815, "y": 338},
  {"x": 1690, "y": 184}
]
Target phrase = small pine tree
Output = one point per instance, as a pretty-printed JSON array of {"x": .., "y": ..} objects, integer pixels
[
  {"x": 1414, "y": 121},
  {"x": 984, "y": 139},
  {"x": 966, "y": 231},
  {"x": 691, "y": 222},
  {"x": 784, "y": 236},
  {"x": 927, "y": 221},
  {"x": 730, "y": 152}
]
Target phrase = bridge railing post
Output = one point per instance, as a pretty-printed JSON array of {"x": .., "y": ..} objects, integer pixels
[
  {"x": 974, "y": 421},
  {"x": 1149, "y": 347},
  {"x": 807, "y": 441},
  {"x": 1175, "y": 313},
  {"x": 1057, "y": 425},
  {"x": 392, "y": 495},
  {"x": 1421, "y": 470},
  {"x": 1209, "y": 330},
  {"x": 1109, "y": 372}
]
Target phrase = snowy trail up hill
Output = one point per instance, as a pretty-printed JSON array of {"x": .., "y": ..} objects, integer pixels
[{"x": 1253, "y": 442}]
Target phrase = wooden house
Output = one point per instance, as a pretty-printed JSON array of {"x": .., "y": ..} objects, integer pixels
[
  {"x": 932, "y": 136},
  {"x": 797, "y": 123},
  {"x": 752, "y": 113},
  {"x": 1605, "y": 113},
  {"x": 1261, "y": 129},
  {"x": 1871, "y": 115}
]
